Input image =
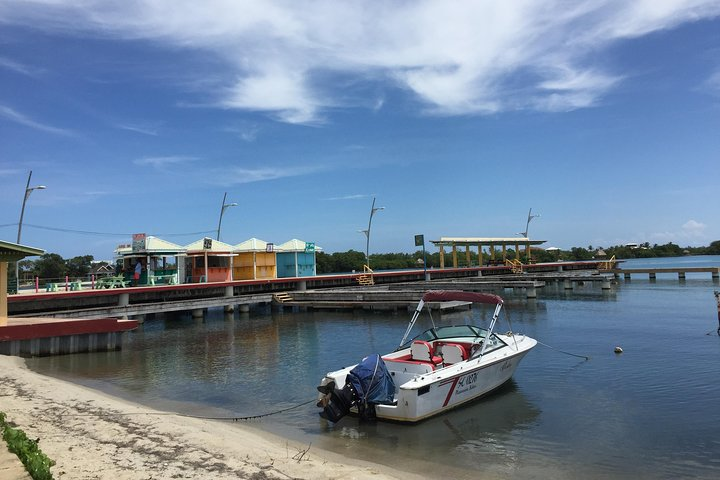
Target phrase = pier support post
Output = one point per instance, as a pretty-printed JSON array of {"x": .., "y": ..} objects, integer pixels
[
  {"x": 716, "y": 274},
  {"x": 229, "y": 292},
  {"x": 652, "y": 276},
  {"x": 627, "y": 276},
  {"x": 302, "y": 285},
  {"x": 681, "y": 275},
  {"x": 427, "y": 276},
  {"x": 123, "y": 300},
  {"x": 244, "y": 308},
  {"x": 567, "y": 284},
  {"x": 198, "y": 313},
  {"x": 531, "y": 292},
  {"x": 606, "y": 284}
]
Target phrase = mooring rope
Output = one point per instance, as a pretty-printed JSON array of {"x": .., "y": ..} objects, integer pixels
[
  {"x": 566, "y": 353},
  {"x": 199, "y": 417}
]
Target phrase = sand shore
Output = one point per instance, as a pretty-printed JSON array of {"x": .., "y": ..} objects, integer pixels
[{"x": 95, "y": 436}]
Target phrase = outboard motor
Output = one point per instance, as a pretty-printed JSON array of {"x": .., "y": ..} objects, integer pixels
[
  {"x": 367, "y": 384},
  {"x": 337, "y": 402}
]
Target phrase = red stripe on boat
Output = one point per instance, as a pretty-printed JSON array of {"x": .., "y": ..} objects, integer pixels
[{"x": 452, "y": 389}]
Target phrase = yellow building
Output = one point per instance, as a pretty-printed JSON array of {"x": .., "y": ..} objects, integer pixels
[{"x": 254, "y": 259}]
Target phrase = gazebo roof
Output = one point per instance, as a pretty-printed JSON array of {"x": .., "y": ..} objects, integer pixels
[
  {"x": 472, "y": 241},
  {"x": 13, "y": 252},
  {"x": 295, "y": 245},
  {"x": 252, "y": 245}
]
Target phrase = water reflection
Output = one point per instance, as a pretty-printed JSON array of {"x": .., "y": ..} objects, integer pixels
[
  {"x": 469, "y": 437},
  {"x": 648, "y": 413}
]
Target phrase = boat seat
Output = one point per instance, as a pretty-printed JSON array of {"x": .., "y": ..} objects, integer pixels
[
  {"x": 424, "y": 352},
  {"x": 453, "y": 353}
]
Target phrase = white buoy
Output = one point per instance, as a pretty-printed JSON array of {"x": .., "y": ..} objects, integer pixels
[{"x": 618, "y": 350}]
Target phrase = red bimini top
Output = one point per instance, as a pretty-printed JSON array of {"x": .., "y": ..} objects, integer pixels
[{"x": 459, "y": 295}]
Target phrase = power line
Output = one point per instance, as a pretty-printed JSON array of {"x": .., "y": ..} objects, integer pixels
[{"x": 87, "y": 232}]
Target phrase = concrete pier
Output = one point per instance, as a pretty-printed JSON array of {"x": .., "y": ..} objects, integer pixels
[
  {"x": 653, "y": 272},
  {"x": 30, "y": 337}
]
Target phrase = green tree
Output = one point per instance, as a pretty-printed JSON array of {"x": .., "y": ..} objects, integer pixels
[
  {"x": 79, "y": 267},
  {"x": 50, "y": 266}
]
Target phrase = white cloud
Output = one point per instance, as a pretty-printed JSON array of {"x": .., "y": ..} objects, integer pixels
[
  {"x": 150, "y": 130},
  {"x": 360, "y": 196},
  {"x": 159, "y": 162},
  {"x": 21, "y": 119},
  {"x": 247, "y": 132},
  {"x": 690, "y": 231},
  {"x": 239, "y": 175},
  {"x": 284, "y": 57},
  {"x": 712, "y": 84},
  {"x": 16, "y": 67}
]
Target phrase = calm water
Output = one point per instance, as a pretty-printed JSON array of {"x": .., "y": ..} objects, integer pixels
[{"x": 650, "y": 412}]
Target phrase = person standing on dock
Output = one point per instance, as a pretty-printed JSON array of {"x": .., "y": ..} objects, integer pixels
[{"x": 136, "y": 275}]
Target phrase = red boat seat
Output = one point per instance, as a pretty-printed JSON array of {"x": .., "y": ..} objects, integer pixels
[
  {"x": 453, "y": 353},
  {"x": 424, "y": 352}
]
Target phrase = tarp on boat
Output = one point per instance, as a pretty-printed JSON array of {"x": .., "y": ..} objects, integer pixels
[{"x": 372, "y": 381}]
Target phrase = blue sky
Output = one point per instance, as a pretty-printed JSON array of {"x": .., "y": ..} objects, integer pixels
[{"x": 602, "y": 116}]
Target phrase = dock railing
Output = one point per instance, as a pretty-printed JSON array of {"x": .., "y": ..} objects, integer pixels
[
  {"x": 366, "y": 278},
  {"x": 608, "y": 265},
  {"x": 516, "y": 266}
]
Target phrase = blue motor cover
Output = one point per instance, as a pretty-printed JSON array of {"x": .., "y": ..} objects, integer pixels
[{"x": 372, "y": 381}]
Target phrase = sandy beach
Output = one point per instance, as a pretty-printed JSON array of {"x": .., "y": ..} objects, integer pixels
[{"x": 91, "y": 435}]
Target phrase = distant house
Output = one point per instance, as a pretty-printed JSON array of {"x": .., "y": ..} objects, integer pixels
[{"x": 102, "y": 269}]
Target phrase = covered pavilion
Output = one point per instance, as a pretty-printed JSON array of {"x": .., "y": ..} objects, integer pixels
[
  {"x": 491, "y": 242},
  {"x": 11, "y": 252}
]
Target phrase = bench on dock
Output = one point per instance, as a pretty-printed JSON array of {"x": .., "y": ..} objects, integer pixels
[
  {"x": 110, "y": 282},
  {"x": 170, "y": 279}
]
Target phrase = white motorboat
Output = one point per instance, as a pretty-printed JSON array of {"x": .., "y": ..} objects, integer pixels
[{"x": 439, "y": 369}]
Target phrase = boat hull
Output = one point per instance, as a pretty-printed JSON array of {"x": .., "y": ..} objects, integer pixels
[
  {"x": 426, "y": 392},
  {"x": 420, "y": 399}
]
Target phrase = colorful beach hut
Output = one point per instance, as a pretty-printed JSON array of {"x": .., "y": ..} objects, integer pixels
[
  {"x": 296, "y": 258},
  {"x": 208, "y": 260},
  {"x": 254, "y": 259},
  {"x": 159, "y": 260}
]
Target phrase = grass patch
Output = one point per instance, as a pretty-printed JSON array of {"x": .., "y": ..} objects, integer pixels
[{"x": 36, "y": 463}]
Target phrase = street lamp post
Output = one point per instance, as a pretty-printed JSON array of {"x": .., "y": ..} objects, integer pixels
[
  {"x": 224, "y": 207},
  {"x": 28, "y": 191},
  {"x": 373, "y": 209},
  {"x": 525, "y": 233}
]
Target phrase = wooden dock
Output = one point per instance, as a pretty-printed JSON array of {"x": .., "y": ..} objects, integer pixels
[
  {"x": 653, "y": 272},
  {"x": 362, "y": 299}
]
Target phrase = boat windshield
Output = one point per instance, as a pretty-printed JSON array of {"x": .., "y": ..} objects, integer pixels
[{"x": 454, "y": 331}]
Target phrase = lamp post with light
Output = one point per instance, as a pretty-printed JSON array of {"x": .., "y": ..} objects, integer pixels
[
  {"x": 373, "y": 209},
  {"x": 28, "y": 191},
  {"x": 224, "y": 207}
]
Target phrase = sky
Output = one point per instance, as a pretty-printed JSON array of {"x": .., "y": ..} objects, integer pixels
[{"x": 458, "y": 117}]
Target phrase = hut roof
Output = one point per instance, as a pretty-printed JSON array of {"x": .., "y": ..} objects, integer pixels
[
  {"x": 216, "y": 246},
  {"x": 252, "y": 245},
  {"x": 295, "y": 245},
  {"x": 153, "y": 246}
]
